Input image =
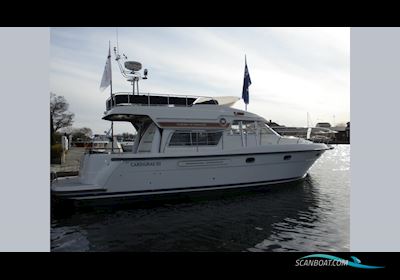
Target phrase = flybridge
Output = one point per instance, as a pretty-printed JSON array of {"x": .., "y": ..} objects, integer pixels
[
  {"x": 171, "y": 100},
  {"x": 121, "y": 99}
]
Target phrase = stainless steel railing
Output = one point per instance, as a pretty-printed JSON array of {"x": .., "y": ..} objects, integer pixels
[{"x": 188, "y": 100}]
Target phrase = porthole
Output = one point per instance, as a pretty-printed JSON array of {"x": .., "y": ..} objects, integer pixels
[
  {"x": 287, "y": 157},
  {"x": 250, "y": 160}
]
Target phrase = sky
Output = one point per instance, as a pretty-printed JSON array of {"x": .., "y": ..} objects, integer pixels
[{"x": 294, "y": 71}]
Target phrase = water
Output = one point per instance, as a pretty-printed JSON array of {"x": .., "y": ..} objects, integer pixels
[{"x": 310, "y": 215}]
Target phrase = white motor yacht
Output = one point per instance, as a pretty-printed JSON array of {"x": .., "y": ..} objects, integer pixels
[{"x": 187, "y": 144}]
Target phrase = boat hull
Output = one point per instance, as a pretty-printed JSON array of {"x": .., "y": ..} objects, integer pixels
[{"x": 129, "y": 177}]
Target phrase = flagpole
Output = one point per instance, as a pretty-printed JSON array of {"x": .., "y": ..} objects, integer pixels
[
  {"x": 245, "y": 63},
  {"x": 111, "y": 95}
]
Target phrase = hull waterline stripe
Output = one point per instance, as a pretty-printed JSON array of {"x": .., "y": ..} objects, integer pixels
[{"x": 163, "y": 191}]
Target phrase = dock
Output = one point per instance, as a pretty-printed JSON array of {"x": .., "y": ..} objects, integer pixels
[{"x": 71, "y": 165}]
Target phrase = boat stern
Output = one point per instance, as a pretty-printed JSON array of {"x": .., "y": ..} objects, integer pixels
[{"x": 95, "y": 170}]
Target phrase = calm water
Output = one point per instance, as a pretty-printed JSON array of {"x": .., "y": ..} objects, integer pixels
[{"x": 311, "y": 215}]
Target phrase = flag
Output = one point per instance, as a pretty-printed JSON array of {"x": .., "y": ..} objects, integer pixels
[
  {"x": 246, "y": 84},
  {"x": 106, "y": 79}
]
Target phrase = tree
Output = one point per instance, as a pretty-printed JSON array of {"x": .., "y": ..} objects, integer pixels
[
  {"x": 59, "y": 115},
  {"x": 127, "y": 136},
  {"x": 52, "y": 138},
  {"x": 82, "y": 134},
  {"x": 86, "y": 131}
]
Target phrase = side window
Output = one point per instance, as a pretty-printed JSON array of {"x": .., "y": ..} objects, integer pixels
[
  {"x": 235, "y": 128},
  {"x": 195, "y": 139},
  {"x": 213, "y": 138},
  {"x": 181, "y": 139},
  {"x": 206, "y": 138},
  {"x": 264, "y": 129},
  {"x": 249, "y": 127},
  {"x": 201, "y": 138}
]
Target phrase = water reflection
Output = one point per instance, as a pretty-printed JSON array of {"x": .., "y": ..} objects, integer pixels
[
  {"x": 303, "y": 227},
  {"x": 281, "y": 213}
]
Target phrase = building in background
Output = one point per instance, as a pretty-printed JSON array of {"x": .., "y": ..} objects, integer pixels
[{"x": 327, "y": 133}]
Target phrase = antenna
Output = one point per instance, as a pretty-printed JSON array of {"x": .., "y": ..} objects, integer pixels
[
  {"x": 117, "y": 40},
  {"x": 129, "y": 69}
]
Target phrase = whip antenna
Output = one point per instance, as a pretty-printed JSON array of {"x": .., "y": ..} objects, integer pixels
[{"x": 117, "y": 41}]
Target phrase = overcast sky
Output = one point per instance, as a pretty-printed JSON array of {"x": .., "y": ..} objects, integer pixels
[{"x": 293, "y": 70}]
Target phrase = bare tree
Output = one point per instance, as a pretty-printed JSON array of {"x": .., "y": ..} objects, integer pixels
[{"x": 59, "y": 115}]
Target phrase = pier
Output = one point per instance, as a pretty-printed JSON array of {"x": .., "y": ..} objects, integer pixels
[{"x": 70, "y": 167}]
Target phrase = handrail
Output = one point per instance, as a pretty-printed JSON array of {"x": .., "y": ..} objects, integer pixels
[
  {"x": 113, "y": 102},
  {"x": 163, "y": 94},
  {"x": 103, "y": 150}
]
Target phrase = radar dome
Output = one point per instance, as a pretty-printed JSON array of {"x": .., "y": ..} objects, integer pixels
[{"x": 133, "y": 65}]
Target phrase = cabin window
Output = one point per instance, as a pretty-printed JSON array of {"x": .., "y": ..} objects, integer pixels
[
  {"x": 199, "y": 138},
  {"x": 181, "y": 139},
  {"x": 249, "y": 127},
  {"x": 213, "y": 138},
  {"x": 195, "y": 138},
  {"x": 235, "y": 127},
  {"x": 265, "y": 129}
]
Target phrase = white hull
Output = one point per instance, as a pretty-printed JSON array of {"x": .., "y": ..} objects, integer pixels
[{"x": 106, "y": 176}]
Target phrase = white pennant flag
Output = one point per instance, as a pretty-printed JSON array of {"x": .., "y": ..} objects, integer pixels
[{"x": 106, "y": 79}]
